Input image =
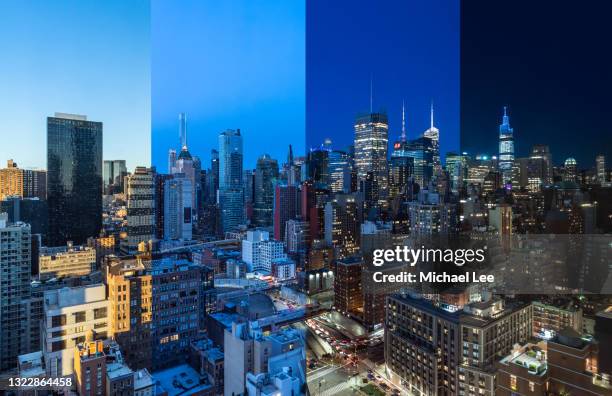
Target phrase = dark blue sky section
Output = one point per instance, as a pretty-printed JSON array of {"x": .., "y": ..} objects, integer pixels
[{"x": 550, "y": 62}]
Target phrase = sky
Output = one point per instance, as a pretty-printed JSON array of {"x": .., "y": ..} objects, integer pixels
[
  {"x": 550, "y": 63},
  {"x": 83, "y": 57},
  {"x": 228, "y": 65},
  {"x": 410, "y": 51}
]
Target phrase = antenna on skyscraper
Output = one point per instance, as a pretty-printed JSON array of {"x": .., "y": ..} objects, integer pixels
[
  {"x": 403, "y": 137},
  {"x": 371, "y": 94},
  {"x": 183, "y": 129}
]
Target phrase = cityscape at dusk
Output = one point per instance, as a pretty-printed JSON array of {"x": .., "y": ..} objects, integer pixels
[{"x": 298, "y": 222}]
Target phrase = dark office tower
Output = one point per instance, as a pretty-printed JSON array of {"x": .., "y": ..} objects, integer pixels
[
  {"x": 266, "y": 176},
  {"x": 32, "y": 211},
  {"x": 342, "y": 226},
  {"x": 371, "y": 140},
  {"x": 114, "y": 172},
  {"x": 542, "y": 152},
  {"x": 312, "y": 207},
  {"x": 285, "y": 208},
  {"x": 401, "y": 170},
  {"x": 15, "y": 266},
  {"x": 249, "y": 192},
  {"x": 421, "y": 150},
  {"x": 506, "y": 149},
  {"x": 457, "y": 168},
  {"x": 160, "y": 189},
  {"x": 140, "y": 191},
  {"x": 318, "y": 165},
  {"x": 231, "y": 188},
  {"x": 348, "y": 296},
  {"x": 74, "y": 178}
]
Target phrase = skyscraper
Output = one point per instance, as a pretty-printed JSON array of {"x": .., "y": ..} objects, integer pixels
[
  {"x": 15, "y": 266},
  {"x": 342, "y": 229},
  {"x": 339, "y": 172},
  {"x": 231, "y": 189},
  {"x": 506, "y": 148},
  {"x": 571, "y": 171},
  {"x": 371, "y": 140},
  {"x": 178, "y": 194},
  {"x": 266, "y": 175},
  {"x": 401, "y": 165},
  {"x": 140, "y": 190},
  {"x": 74, "y": 178},
  {"x": 541, "y": 151},
  {"x": 600, "y": 162},
  {"x": 171, "y": 159},
  {"x": 213, "y": 178},
  {"x": 185, "y": 163},
  {"x": 286, "y": 208},
  {"x": 421, "y": 150},
  {"x": 318, "y": 165},
  {"x": 114, "y": 171},
  {"x": 433, "y": 133}
]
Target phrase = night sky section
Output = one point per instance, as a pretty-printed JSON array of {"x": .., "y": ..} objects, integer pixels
[{"x": 550, "y": 62}]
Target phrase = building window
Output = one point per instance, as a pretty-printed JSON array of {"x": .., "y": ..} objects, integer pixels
[
  {"x": 513, "y": 384},
  {"x": 100, "y": 313},
  {"x": 58, "y": 320},
  {"x": 79, "y": 317}
]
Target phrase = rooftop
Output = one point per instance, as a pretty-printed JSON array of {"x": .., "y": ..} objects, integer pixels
[
  {"x": 531, "y": 357},
  {"x": 116, "y": 370},
  {"x": 180, "y": 380}
]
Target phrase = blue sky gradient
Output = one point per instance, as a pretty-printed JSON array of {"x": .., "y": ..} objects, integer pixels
[
  {"x": 238, "y": 64},
  {"x": 84, "y": 57}
]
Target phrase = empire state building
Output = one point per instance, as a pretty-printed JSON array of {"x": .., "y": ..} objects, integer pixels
[{"x": 506, "y": 149}]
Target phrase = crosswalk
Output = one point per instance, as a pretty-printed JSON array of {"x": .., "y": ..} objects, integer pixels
[{"x": 334, "y": 390}]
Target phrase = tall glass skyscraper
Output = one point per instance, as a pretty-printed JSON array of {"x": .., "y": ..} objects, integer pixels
[
  {"x": 371, "y": 141},
  {"x": 339, "y": 170},
  {"x": 506, "y": 148},
  {"x": 266, "y": 176},
  {"x": 74, "y": 178},
  {"x": 231, "y": 187}
]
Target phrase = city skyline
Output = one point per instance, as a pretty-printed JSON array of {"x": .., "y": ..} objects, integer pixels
[
  {"x": 250, "y": 77},
  {"x": 555, "y": 96},
  {"x": 396, "y": 58},
  {"x": 283, "y": 234},
  {"x": 107, "y": 77}
]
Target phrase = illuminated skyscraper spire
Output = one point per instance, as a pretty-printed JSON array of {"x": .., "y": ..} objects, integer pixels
[
  {"x": 506, "y": 149},
  {"x": 403, "y": 136},
  {"x": 433, "y": 133},
  {"x": 431, "y": 126}
]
